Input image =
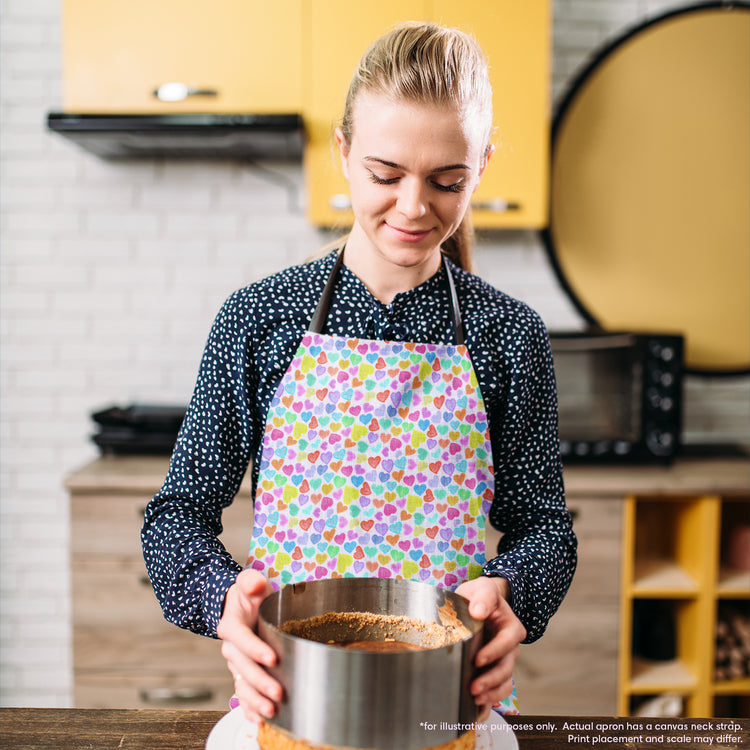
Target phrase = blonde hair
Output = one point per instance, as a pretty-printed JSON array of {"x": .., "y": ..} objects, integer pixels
[{"x": 428, "y": 64}]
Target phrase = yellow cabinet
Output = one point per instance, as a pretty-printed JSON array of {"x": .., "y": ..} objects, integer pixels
[
  {"x": 516, "y": 38},
  {"x": 298, "y": 56},
  {"x": 339, "y": 33},
  {"x": 232, "y": 55}
]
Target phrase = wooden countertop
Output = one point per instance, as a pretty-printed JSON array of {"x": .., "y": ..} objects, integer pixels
[
  {"x": 133, "y": 729},
  {"x": 689, "y": 475}
]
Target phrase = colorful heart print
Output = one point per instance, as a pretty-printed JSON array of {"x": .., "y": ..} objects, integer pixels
[{"x": 376, "y": 461}]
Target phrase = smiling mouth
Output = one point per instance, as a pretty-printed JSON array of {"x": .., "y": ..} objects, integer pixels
[{"x": 409, "y": 235}]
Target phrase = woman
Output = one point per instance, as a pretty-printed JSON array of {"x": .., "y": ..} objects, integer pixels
[{"x": 389, "y": 399}]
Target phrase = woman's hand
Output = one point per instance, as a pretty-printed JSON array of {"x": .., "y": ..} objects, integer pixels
[
  {"x": 488, "y": 601},
  {"x": 245, "y": 652}
]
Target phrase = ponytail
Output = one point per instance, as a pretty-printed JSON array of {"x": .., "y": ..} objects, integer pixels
[{"x": 459, "y": 247}]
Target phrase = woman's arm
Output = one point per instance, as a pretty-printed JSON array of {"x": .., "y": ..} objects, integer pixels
[
  {"x": 537, "y": 552},
  {"x": 189, "y": 568}
]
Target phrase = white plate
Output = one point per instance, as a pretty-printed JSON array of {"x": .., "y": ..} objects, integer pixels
[{"x": 234, "y": 732}]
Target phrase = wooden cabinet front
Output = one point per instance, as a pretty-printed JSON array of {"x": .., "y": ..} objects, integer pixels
[
  {"x": 125, "y": 655},
  {"x": 237, "y": 56}
]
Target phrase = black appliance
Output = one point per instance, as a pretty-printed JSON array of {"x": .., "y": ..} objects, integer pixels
[
  {"x": 619, "y": 394},
  {"x": 138, "y": 429},
  {"x": 227, "y": 136}
]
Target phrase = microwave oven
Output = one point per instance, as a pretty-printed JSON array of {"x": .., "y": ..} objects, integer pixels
[{"x": 619, "y": 395}]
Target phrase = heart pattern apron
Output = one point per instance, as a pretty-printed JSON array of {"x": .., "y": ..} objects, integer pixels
[{"x": 376, "y": 461}]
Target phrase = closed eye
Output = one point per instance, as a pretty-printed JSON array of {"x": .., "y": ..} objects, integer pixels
[
  {"x": 382, "y": 180},
  {"x": 455, "y": 187}
]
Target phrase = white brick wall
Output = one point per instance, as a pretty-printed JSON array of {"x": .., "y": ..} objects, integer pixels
[{"x": 111, "y": 275}]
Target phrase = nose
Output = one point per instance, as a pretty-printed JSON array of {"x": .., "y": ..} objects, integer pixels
[{"x": 412, "y": 201}]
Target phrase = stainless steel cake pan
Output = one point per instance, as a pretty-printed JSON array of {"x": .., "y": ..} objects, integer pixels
[{"x": 362, "y": 699}]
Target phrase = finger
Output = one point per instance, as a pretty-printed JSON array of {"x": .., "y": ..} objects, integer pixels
[
  {"x": 255, "y": 706},
  {"x": 506, "y": 640},
  {"x": 480, "y": 608},
  {"x": 255, "y": 686},
  {"x": 237, "y": 636},
  {"x": 494, "y": 695},
  {"x": 258, "y": 679},
  {"x": 240, "y": 664},
  {"x": 254, "y": 583},
  {"x": 499, "y": 674},
  {"x": 483, "y": 596}
]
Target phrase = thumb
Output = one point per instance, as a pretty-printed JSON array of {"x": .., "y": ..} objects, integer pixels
[
  {"x": 481, "y": 606},
  {"x": 483, "y": 598},
  {"x": 253, "y": 583}
]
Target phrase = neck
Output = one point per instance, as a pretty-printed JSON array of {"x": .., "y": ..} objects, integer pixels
[{"x": 385, "y": 277}]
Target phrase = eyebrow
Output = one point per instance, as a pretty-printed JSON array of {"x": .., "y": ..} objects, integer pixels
[{"x": 393, "y": 165}]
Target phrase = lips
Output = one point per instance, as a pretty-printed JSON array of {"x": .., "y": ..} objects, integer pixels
[{"x": 409, "y": 235}]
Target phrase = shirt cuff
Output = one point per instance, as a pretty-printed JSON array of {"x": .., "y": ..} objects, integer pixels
[
  {"x": 213, "y": 598},
  {"x": 494, "y": 569}
]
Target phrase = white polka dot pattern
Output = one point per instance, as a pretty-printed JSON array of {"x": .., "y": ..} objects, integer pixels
[{"x": 251, "y": 344}]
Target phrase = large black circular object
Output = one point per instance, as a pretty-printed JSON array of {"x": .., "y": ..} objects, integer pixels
[{"x": 650, "y": 184}]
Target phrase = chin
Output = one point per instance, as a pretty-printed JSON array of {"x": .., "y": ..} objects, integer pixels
[
  {"x": 409, "y": 255},
  {"x": 411, "y": 259}
]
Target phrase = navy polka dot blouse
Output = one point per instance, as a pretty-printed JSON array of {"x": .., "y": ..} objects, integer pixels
[{"x": 251, "y": 345}]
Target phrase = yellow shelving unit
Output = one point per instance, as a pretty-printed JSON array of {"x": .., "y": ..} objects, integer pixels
[{"x": 674, "y": 558}]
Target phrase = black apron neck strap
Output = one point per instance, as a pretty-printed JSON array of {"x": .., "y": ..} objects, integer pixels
[
  {"x": 324, "y": 304},
  {"x": 321, "y": 311},
  {"x": 455, "y": 310}
]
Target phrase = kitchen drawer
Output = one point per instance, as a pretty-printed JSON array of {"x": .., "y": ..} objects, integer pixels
[
  {"x": 597, "y": 523},
  {"x": 572, "y": 669},
  {"x": 108, "y": 527},
  {"x": 114, "y": 690},
  {"x": 113, "y": 593},
  {"x": 153, "y": 648},
  {"x": 122, "y": 646}
]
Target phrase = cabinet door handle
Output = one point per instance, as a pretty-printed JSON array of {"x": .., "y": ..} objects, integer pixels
[
  {"x": 177, "y": 695},
  {"x": 340, "y": 202},
  {"x": 496, "y": 205},
  {"x": 177, "y": 92}
]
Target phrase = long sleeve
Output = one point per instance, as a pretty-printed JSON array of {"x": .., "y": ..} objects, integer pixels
[
  {"x": 189, "y": 568},
  {"x": 537, "y": 552}
]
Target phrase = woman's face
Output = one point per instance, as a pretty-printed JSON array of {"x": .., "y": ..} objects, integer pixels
[{"x": 412, "y": 169}]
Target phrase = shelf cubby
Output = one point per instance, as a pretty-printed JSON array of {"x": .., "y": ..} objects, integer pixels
[
  {"x": 733, "y": 705},
  {"x": 675, "y": 567}
]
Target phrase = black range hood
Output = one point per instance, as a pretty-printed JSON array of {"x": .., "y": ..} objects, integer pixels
[{"x": 216, "y": 136}]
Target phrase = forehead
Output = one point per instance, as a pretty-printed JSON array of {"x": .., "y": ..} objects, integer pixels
[{"x": 397, "y": 129}]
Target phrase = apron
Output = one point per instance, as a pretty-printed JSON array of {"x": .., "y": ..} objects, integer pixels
[{"x": 376, "y": 461}]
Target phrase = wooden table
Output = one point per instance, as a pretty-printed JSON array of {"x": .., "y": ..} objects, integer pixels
[{"x": 134, "y": 729}]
